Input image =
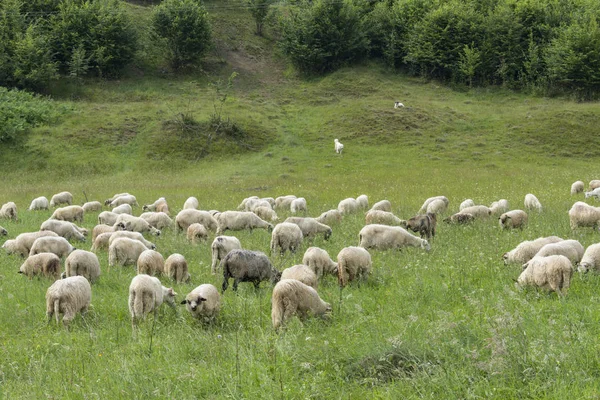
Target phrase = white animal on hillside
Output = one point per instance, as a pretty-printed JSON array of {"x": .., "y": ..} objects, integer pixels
[
  {"x": 571, "y": 249},
  {"x": 298, "y": 205},
  {"x": 582, "y": 215},
  {"x": 363, "y": 201},
  {"x": 527, "y": 249},
  {"x": 423, "y": 208},
  {"x": 135, "y": 224},
  {"x": 176, "y": 268},
  {"x": 284, "y": 202},
  {"x": 532, "y": 203},
  {"x": 125, "y": 251},
  {"x": 46, "y": 264},
  {"x": 191, "y": 203},
  {"x": 302, "y": 273},
  {"x": 123, "y": 209},
  {"x": 91, "y": 206},
  {"x": 319, "y": 261},
  {"x": 49, "y": 244},
  {"x": 160, "y": 220},
  {"x": 339, "y": 147},
  {"x": 146, "y": 294},
  {"x": 9, "y": 211},
  {"x": 39, "y": 203},
  {"x": 66, "y": 229},
  {"x": 383, "y": 237},
  {"x": 61, "y": 198},
  {"x": 68, "y": 297},
  {"x": 23, "y": 242},
  {"x": 240, "y": 220},
  {"x": 220, "y": 247},
  {"x": 286, "y": 236},
  {"x": 190, "y": 215},
  {"x": 353, "y": 262},
  {"x": 150, "y": 262},
  {"x": 291, "y": 297},
  {"x": 83, "y": 263},
  {"x": 499, "y": 207},
  {"x": 551, "y": 273},
  {"x": 126, "y": 199},
  {"x": 131, "y": 235},
  {"x": 590, "y": 259},
  {"x": 577, "y": 187},
  {"x": 513, "y": 219},
  {"x": 197, "y": 233},
  {"x": 594, "y": 193},
  {"x": 466, "y": 203},
  {"x": 330, "y": 217},
  {"x": 348, "y": 206},
  {"x": 595, "y": 183},
  {"x": 397, "y": 104}
]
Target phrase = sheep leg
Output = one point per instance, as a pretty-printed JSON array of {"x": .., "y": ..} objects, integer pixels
[
  {"x": 225, "y": 284},
  {"x": 235, "y": 284},
  {"x": 256, "y": 284}
]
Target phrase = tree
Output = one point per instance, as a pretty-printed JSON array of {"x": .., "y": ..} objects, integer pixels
[{"x": 259, "y": 10}]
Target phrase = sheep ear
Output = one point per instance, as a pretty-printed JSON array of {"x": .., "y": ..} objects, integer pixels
[
  {"x": 171, "y": 292},
  {"x": 200, "y": 299},
  {"x": 183, "y": 302},
  {"x": 19, "y": 272}
]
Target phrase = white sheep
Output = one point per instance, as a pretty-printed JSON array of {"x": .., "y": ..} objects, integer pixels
[
  {"x": 159, "y": 205},
  {"x": 107, "y": 218},
  {"x": 283, "y": 202},
  {"x": 135, "y": 224},
  {"x": 319, "y": 261},
  {"x": 108, "y": 201},
  {"x": 49, "y": 244},
  {"x": 61, "y": 198},
  {"x": 39, "y": 203},
  {"x": 241, "y": 220},
  {"x": 68, "y": 213},
  {"x": 197, "y": 232},
  {"x": 266, "y": 213},
  {"x": 125, "y": 251},
  {"x": 286, "y": 237},
  {"x": 595, "y": 183},
  {"x": 101, "y": 241},
  {"x": 353, "y": 262},
  {"x": 150, "y": 262},
  {"x": 291, "y": 297},
  {"x": 126, "y": 199},
  {"x": 298, "y": 205},
  {"x": 23, "y": 242},
  {"x": 83, "y": 263},
  {"x": 159, "y": 220},
  {"x": 383, "y": 218},
  {"x": 582, "y": 215},
  {"x": 146, "y": 294},
  {"x": 204, "y": 302},
  {"x": 47, "y": 264},
  {"x": 398, "y": 104},
  {"x": 302, "y": 273},
  {"x": 101, "y": 228},
  {"x": 176, "y": 268},
  {"x": 594, "y": 193},
  {"x": 571, "y": 249},
  {"x": 532, "y": 203},
  {"x": 339, "y": 147},
  {"x": 243, "y": 204},
  {"x": 253, "y": 204},
  {"x": 66, "y": 229},
  {"x": 330, "y": 217},
  {"x": 92, "y": 206},
  {"x": 363, "y": 201},
  {"x": 551, "y": 273},
  {"x": 348, "y": 206},
  {"x": 9, "y": 211},
  {"x": 590, "y": 259},
  {"x": 191, "y": 203},
  {"x": 189, "y": 216},
  {"x": 499, "y": 207},
  {"x": 437, "y": 206},
  {"x": 423, "y": 208},
  {"x": 123, "y": 209},
  {"x": 527, "y": 249},
  {"x": 68, "y": 297},
  {"x": 459, "y": 218},
  {"x": 220, "y": 247},
  {"x": 466, "y": 203},
  {"x": 383, "y": 205},
  {"x": 311, "y": 227},
  {"x": 385, "y": 237},
  {"x": 513, "y": 219},
  {"x": 577, "y": 187},
  {"x": 131, "y": 235},
  {"x": 477, "y": 212}
]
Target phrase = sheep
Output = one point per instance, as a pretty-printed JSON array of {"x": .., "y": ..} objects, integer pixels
[
  {"x": 291, "y": 297},
  {"x": 189, "y": 216},
  {"x": 150, "y": 262},
  {"x": 197, "y": 232},
  {"x": 577, "y": 187},
  {"x": 298, "y": 205},
  {"x": 301, "y": 273},
  {"x": 594, "y": 193},
  {"x": 159, "y": 220},
  {"x": 590, "y": 259},
  {"x": 330, "y": 217},
  {"x": 460, "y": 218},
  {"x": 532, "y": 203},
  {"x": 266, "y": 213},
  {"x": 92, "y": 206},
  {"x": 513, "y": 219},
  {"x": 424, "y": 224},
  {"x": 101, "y": 241},
  {"x": 499, "y": 207},
  {"x": 269, "y": 200},
  {"x": 242, "y": 205},
  {"x": 126, "y": 199},
  {"x": 384, "y": 237},
  {"x": 348, "y": 206},
  {"x": 311, "y": 227},
  {"x": 11, "y": 247},
  {"x": 83, "y": 263},
  {"x": 595, "y": 183},
  {"x": 477, "y": 211},
  {"x": 68, "y": 297},
  {"x": 47, "y": 264},
  {"x": 135, "y": 224},
  {"x": 240, "y": 220},
  {"x": 123, "y": 209},
  {"x": 214, "y": 213},
  {"x": 247, "y": 266},
  {"x": 253, "y": 204},
  {"x": 423, "y": 208},
  {"x": 551, "y": 273},
  {"x": 571, "y": 249},
  {"x": 146, "y": 294},
  {"x": 220, "y": 247},
  {"x": 49, "y": 244},
  {"x": 9, "y": 211},
  {"x": 66, "y": 229},
  {"x": 204, "y": 302},
  {"x": 286, "y": 237},
  {"x": 69, "y": 213},
  {"x": 159, "y": 205},
  {"x": 108, "y": 201},
  {"x": 124, "y": 251},
  {"x": 101, "y": 228},
  {"x": 339, "y": 147},
  {"x": 61, "y": 198},
  {"x": 191, "y": 203},
  {"x": 383, "y": 205},
  {"x": 398, "y": 104},
  {"x": 581, "y": 215},
  {"x": 3, "y": 231},
  {"x": 527, "y": 249},
  {"x": 437, "y": 206},
  {"x": 353, "y": 262},
  {"x": 131, "y": 235},
  {"x": 363, "y": 201},
  {"x": 107, "y": 218},
  {"x": 23, "y": 242},
  {"x": 319, "y": 261},
  {"x": 466, "y": 203},
  {"x": 39, "y": 203},
  {"x": 383, "y": 217},
  {"x": 176, "y": 268},
  {"x": 284, "y": 202}
]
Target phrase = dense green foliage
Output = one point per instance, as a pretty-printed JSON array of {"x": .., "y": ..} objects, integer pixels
[{"x": 259, "y": 10}]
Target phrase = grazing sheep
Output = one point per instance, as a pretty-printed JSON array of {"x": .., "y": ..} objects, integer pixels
[
  {"x": 146, "y": 294},
  {"x": 423, "y": 208},
  {"x": 532, "y": 203},
  {"x": 191, "y": 203},
  {"x": 298, "y": 205},
  {"x": 204, "y": 302},
  {"x": 22, "y": 243},
  {"x": 214, "y": 213},
  {"x": 311, "y": 227},
  {"x": 594, "y": 193},
  {"x": 135, "y": 224},
  {"x": 158, "y": 206},
  {"x": 68, "y": 297},
  {"x": 9, "y": 211},
  {"x": 424, "y": 224},
  {"x": 577, "y": 187},
  {"x": 107, "y": 218},
  {"x": 302, "y": 273},
  {"x": 465, "y": 204},
  {"x": 551, "y": 273},
  {"x": 248, "y": 266},
  {"x": 3, "y": 231},
  {"x": 244, "y": 202},
  {"x": 595, "y": 183},
  {"x": 513, "y": 219},
  {"x": 69, "y": 213},
  {"x": 385, "y": 237},
  {"x": 383, "y": 218},
  {"x": 241, "y": 220},
  {"x": 499, "y": 207},
  {"x": 590, "y": 259},
  {"x": 571, "y": 249},
  {"x": 353, "y": 262},
  {"x": 101, "y": 228},
  {"x": 125, "y": 251},
  {"x": 150, "y": 262},
  {"x": 11, "y": 247},
  {"x": 108, "y": 201},
  {"x": 348, "y": 206},
  {"x": 131, "y": 235},
  {"x": 266, "y": 213},
  {"x": 92, "y": 206},
  {"x": 126, "y": 199},
  {"x": 50, "y": 244},
  {"x": 460, "y": 218},
  {"x": 101, "y": 241},
  {"x": 220, "y": 247},
  {"x": 284, "y": 202},
  {"x": 527, "y": 249},
  {"x": 39, "y": 203},
  {"x": 398, "y": 104},
  {"x": 581, "y": 215},
  {"x": 383, "y": 205},
  {"x": 176, "y": 268},
  {"x": 197, "y": 232},
  {"x": 437, "y": 206},
  {"x": 319, "y": 261},
  {"x": 123, "y": 209},
  {"x": 47, "y": 264},
  {"x": 83, "y": 263},
  {"x": 61, "y": 198},
  {"x": 253, "y": 204},
  {"x": 292, "y": 297},
  {"x": 363, "y": 201},
  {"x": 338, "y": 146},
  {"x": 189, "y": 216},
  {"x": 330, "y": 217},
  {"x": 477, "y": 211},
  {"x": 159, "y": 220},
  {"x": 286, "y": 237},
  {"x": 66, "y": 229}
]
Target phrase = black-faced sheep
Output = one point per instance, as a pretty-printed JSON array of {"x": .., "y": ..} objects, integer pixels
[
  {"x": 83, "y": 263},
  {"x": 204, "y": 302},
  {"x": 286, "y": 237},
  {"x": 383, "y": 237},
  {"x": 68, "y": 297},
  {"x": 551, "y": 273},
  {"x": 220, "y": 247},
  {"x": 291, "y": 297},
  {"x": 46, "y": 264},
  {"x": 248, "y": 266},
  {"x": 353, "y": 262},
  {"x": 513, "y": 219}
]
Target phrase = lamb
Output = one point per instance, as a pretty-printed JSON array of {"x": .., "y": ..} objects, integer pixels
[
  {"x": 499, "y": 207},
  {"x": 551, "y": 273},
  {"x": 385, "y": 237},
  {"x": 124, "y": 251},
  {"x": 513, "y": 219},
  {"x": 49, "y": 244},
  {"x": 83, "y": 263},
  {"x": 9, "y": 211},
  {"x": 204, "y": 302},
  {"x": 126, "y": 199},
  {"x": 582, "y": 215},
  {"x": 159, "y": 205},
  {"x": 220, "y": 247},
  {"x": 189, "y": 216},
  {"x": 159, "y": 220},
  {"x": 384, "y": 218},
  {"x": 338, "y": 146},
  {"x": 363, "y": 201},
  {"x": 61, "y": 198},
  {"x": 131, "y": 235},
  {"x": 150, "y": 262},
  {"x": 108, "y": 201},
  {"x": 135, "y": 224},
  {"x": 68, "y": 297},
  {"x": 383, "y": 205},
  {"x": 191, "y": 203},
  {"x": 301, "y": 273},
  {"x": 348, "y": 206},
  {"x": 47, "y": 264},
  {"x": 92, "y": 206},
  {"x": 477, "y": 212},
  {"x": 39, "y": 203},
  {"x": 284, "y": 202},
  {"x": 286, "y": 237},
  {"x": 460, "y": 218},
  {"x": 23, "y": 242},
  {"x": 298, "y": 205},
  {"x": 424, "y": 224},
  {"x": 571, "y": 249},
  {"x": 292, "y": 297},
  {"x": 423, "y": 208},
  {"x": 3, "y": 231},
  {"x": 146, "y": 294},
  {"x": 353, "y": 262},
  {"x": 590, "y": 259},
  {"x": 595, "y": 183},
  {"x": 266, "y": 213},
  {"x": 101, "y": 241},
  {"x": 107, "y": 218},
  {"x": 330, "y": 217},
  {"x": 311, "y": 227},
  {"x": 527, "y": 249},
  {"x": 594, "y": 193},
  {"x": 176, "y": 268},
  {"x": 197, "y": 232},
  {"x": 319, "y": 261},
  {"x": 437, "y": 206},
  {"x": 69, "y": 213},
  {"x": 247, "y": 266},
  {"x": 66, "y": 229},
  {"x": 532, "y": 203},
  {"x": 465, "y": 204},
  {"x": 240, "y": 220},
  {"x": 577, "y": 187},
  {"x": 123, "y": 209}
]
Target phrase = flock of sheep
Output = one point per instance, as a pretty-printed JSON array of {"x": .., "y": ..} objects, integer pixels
[{"x": 547, "y": 262}]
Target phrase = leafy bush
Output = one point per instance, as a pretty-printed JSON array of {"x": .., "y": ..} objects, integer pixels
[{"x": 259, "y": 10}]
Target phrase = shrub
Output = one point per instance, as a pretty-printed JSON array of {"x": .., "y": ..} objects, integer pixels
[{"x": 259, "y": 10}]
